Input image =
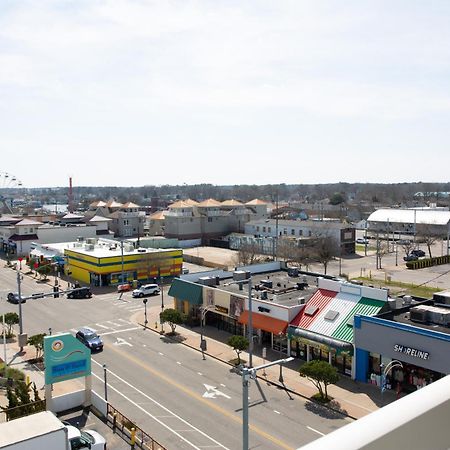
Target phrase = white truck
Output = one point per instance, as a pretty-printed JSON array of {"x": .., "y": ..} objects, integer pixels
[{"x": 44, "y": 431}]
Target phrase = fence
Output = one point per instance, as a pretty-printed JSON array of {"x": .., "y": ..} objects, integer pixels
[
  {"x": 24, "y": 410},
  {"x": 121, "y": 423},
  {"x": 428, "y": 262}
]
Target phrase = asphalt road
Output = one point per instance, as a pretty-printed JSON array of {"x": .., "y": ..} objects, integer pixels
[{"x": 166, "y": 388}]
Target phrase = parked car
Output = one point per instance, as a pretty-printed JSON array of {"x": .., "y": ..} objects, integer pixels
[
  {"x": 403, "y": 242},
  {"x": 184, "y": 270},
  {"x": 124, "y": 287},
  {"x": 90, "y": 338},
  {"x": 84, "y": 439},
  {"x": 417, "y": 252},
  {"x": 363, "y": 241},
  {"x": 146, "y": 289},
  {"x": 410, "y": 258},
  {"x": 83, "y": 292},
  {"x": 13, "y": 297}
]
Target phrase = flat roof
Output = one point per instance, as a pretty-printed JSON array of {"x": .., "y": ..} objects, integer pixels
[
  {"x": 404, "y": 317},
  {"x": 28, "y": 427},
  {"x": 111, "y": 249},
  {"x": 281, "y": 282}
]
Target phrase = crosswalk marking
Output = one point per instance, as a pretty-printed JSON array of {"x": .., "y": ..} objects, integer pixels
[{"x": 125, "y": 321}]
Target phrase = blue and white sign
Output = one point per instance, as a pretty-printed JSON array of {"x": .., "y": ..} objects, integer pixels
[{"x": 65, "y": 358}]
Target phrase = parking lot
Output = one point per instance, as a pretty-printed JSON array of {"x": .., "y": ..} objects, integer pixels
[{"x": 84, "y": 419}]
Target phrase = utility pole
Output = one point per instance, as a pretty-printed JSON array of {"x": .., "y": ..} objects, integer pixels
[{"x": 19, "y": 293}]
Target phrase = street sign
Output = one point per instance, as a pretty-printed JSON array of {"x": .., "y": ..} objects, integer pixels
[{"x": 65, "y": 358}]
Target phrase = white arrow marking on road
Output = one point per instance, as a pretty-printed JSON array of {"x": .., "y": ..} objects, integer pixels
[
  {"x": 213, "y": 392},
  {"x": 121, "y": 341}
]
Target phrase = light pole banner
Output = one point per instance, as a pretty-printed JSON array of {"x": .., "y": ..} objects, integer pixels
[{"x": 65, "y": 358}]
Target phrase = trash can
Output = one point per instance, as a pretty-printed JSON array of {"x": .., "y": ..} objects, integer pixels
[{"x": 135, "y": 284}]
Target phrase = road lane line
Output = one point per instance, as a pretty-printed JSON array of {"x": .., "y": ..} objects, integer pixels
[
  {"x": 113, "y": 323},
  {"x": 120, "y": 331},
  {"x": 134, "y": 309},
  {"x": 103, "y": 326},
  {"x": 198, "y": 397},
  {"x": 161, "y": 406},
  {"x": 315, "y": 431}
]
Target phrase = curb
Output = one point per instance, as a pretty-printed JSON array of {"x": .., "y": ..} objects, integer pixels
[{"x": 273, "y": 383}]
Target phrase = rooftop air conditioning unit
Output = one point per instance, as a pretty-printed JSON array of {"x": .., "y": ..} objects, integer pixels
[
  {"x": 267, "y": 283},
  {"x": 207, "y": 281},
  {"x": 89, "y": 247},
  {"x": 264, "y": 295},
  {"x": 407, "y": 299},
  {"x": 418, "y": 315},
  {"x": 240, "y": 275}
]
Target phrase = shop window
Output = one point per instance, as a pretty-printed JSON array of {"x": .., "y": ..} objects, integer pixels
[
  {"x": 293, "y": 232},
  {"x": 269, "y": 229}
]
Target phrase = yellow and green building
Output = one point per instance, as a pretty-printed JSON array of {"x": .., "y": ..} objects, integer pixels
[{"x": 102, "y": 263}]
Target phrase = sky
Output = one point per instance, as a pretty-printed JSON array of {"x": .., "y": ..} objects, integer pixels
[{"x": 137, "y": 92}]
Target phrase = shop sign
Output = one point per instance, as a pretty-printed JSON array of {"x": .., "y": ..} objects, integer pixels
[
  {"x": 221, "y": 309},
  {"x": 411, "y": 351},
  {"x": 263, "y": 309}
]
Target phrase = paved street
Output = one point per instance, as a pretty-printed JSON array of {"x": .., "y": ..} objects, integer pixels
[{"x": 175, "y": 396}]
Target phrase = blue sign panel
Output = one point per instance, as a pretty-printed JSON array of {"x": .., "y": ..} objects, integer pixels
[{"x": 65, "y": 358}]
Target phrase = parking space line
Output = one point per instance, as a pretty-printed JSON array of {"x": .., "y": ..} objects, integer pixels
[
  {"x": 113, "y": 323},
  {"x": 103, "y": 326}
]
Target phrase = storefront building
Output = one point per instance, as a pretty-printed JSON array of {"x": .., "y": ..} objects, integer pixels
[
  {"x": 102, "y": 262},
  {"x": 323, "y": 330},
  {"x": 420, "y": 354}
]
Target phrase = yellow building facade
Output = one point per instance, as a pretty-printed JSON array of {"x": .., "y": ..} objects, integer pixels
[{"x": 101, "y": 269}]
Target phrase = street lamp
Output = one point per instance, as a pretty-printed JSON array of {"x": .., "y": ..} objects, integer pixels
[
  {"x": 162, "y": 303},
  {"x": 144, "y": 301},
  {"x": 203, "y": 311},
  {"x": 19, "y": 293},
  {"x": 105, "y": 382},
  {"x": 250, "y": 322},
  {"x": 247, "y": 374}
]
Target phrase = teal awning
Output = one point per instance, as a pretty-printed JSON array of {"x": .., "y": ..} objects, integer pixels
[{"x": 187, "y": 291}]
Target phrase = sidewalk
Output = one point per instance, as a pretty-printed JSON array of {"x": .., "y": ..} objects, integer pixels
[{"x": 349, "y": 397}]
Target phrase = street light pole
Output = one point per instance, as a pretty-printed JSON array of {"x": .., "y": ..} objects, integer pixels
[
  {"x": 105, "y": 382},
  {"x": 19, "y": 293},
  {"x": 162, "y": 303},
  {"x": 247, "y": 374},
  {"x": 145, "y": 312},
  {"x": 250, "y": 324}
]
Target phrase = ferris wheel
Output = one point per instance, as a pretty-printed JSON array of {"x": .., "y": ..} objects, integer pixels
[{"x": 9, "y": 181}]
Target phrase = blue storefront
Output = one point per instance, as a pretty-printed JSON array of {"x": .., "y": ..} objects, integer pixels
[{"x": 417, "y": 354}]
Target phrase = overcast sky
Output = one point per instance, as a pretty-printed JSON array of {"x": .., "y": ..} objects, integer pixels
[{"x": 225, "y": 92}]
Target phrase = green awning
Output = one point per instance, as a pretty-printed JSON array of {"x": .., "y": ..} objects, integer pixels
[{"x": 186, "y": 291}]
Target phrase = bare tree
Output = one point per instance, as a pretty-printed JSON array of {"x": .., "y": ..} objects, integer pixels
[
  {"x": 382, "y": 249},
  {"x": 325, "y": 250},
  {"x": 407, "y": 246},
  {"x": 248, "y": 254},
  {"x": 428, "y": 236}
]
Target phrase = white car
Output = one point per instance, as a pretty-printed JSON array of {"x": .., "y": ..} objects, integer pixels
[
  {"x": 363, "y": 241},
  {"x": 89, "y": 439},
  {"x": 146, "y": 289}
]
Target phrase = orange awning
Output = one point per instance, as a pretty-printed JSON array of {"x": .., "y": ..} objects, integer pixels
[{"x": 262, "y": 322}]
